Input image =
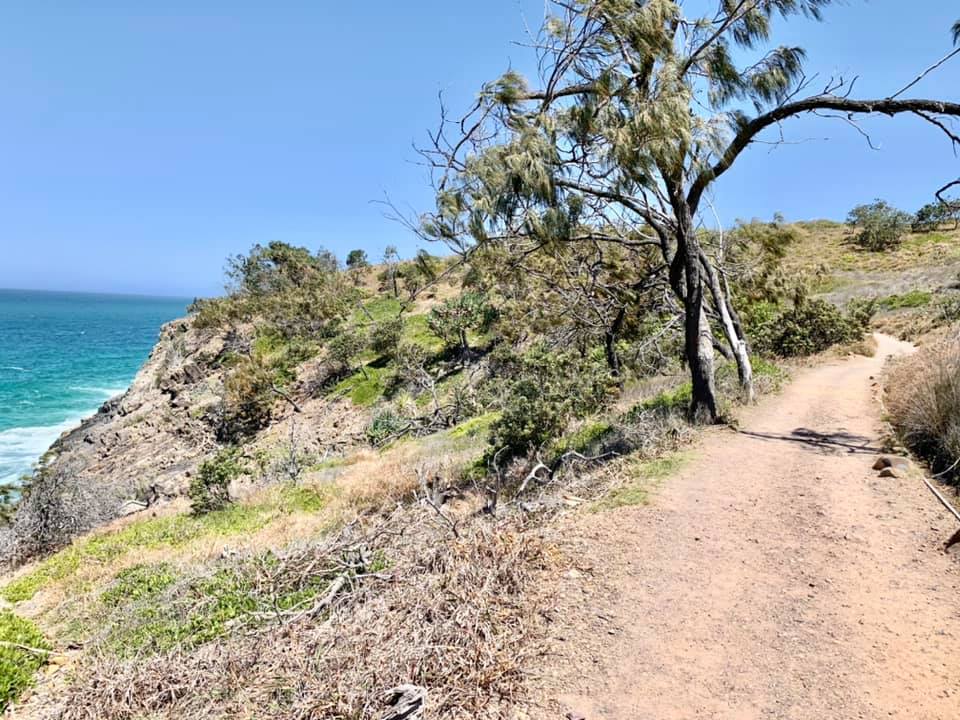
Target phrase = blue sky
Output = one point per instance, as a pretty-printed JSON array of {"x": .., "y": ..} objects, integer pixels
[{"x": 143, "y": 142}]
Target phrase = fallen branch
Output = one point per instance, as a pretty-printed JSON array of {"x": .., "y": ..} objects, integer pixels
[
  {"x": 25, "y": 648},
  {"x": 286, "y": 397}
]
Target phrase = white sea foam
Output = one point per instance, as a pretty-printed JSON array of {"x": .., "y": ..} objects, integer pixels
[
  {"x": 107, "y": 392},
  {"x": 15, "y": 368},
  {"x": 21, "y": 447}
]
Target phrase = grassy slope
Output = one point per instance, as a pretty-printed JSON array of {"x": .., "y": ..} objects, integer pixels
[
  {"x": 911, "y": 283},
  {"x": 115, "y": 586}
]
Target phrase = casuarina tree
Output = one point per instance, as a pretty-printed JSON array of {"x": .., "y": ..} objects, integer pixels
[{"x": 636, "y": 110}]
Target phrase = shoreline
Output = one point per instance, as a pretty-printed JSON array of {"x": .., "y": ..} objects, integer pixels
[{"x": 19, "y": 442}]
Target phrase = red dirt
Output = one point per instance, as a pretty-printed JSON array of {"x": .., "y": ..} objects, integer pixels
[{"x": 775, "y": 576}]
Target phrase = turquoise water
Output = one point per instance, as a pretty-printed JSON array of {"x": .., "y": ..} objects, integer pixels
[{"x": 61, "y": 356}]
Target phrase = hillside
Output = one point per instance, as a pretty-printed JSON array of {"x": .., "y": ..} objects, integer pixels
[{"x": 332, "y": 483}]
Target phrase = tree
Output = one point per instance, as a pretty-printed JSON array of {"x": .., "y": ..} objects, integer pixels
[
  {"x": 385, "y": 336},
  {"x": 357, "y": 259},
  {"x": 391, "y": 259},
  {"x": 638, "y": 110},
  {"x": 458, "y": 316},
  {"x": 344, "y": 347},
  {"x": 879, "y": 225},
  {"x": 933, "y": 216}
]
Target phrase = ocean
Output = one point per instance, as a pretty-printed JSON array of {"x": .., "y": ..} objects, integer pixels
[{"x": 62, "y": 354}]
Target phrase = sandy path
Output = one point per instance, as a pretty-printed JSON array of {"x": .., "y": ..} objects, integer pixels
[{"x": 775, "y": 576}]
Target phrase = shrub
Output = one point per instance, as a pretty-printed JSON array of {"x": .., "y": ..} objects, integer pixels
[
  {"x": 137, "y": 583},
  {"x": 811, "y": 326},
  {"x": 357, "y": 259},
  {"x": 385, "y": 336},
  {"x": 455, "y": 318},
  {"x": 385, "y": 425},
  {"x": 344, "y": 347},
  {"x": 924, "y": 404},
  {"x": 248, "y": 399},
  {"x": 879, "y": 226},
  {"x": 548, "y": 390},
  {"x": 210, "y": 487},
  {"x": 932, "y": 215},
  {"x": 18, "y": 665}
]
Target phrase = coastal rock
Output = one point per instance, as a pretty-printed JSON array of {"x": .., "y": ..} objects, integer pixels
[{"x": 143, "y": 446}]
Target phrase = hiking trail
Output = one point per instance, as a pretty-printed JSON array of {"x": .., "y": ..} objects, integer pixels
[{"x": 774, "y": 576}]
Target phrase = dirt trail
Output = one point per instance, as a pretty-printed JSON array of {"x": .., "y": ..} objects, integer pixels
[{"x": 775, "y": 576}]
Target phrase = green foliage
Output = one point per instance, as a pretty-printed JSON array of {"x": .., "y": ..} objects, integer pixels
[
  {"x": 248, "y": 398},
  {"x": 289, "y": 289},
  {"x": 210, "y": 487},
  {"x": 583, "y": 440},
  {"x": 207, "y": 608},
  {"x": 477, "y": 426},
  {"x": 379, "y": 309},
  {"x": 419, "y": 272},
  {"x": 344, "y": 347},
  {"x": 810, "y": 326},
  {"x": 251, "y": 382},
  {"x": 17, "y": 665},
  {"x": 673, "y": 400},
  {"x": 357, "y": 259},
  {"x": 759, "y": 248},
  {"x": 385, "y": 336},
  {"x": 912, "y": 299},
  {"x": 364, "y": 388},
  {"x": 384, "y": 425},
  {"x": 936, "y": 214},
  {"x": 453, "y": 320},
  {"x": 138, "y": 583},
  {"x": 163, "y": 532},
  {"x": 416, "y": 331},
  {"x": 878, "y": 225},
  {"x": 546, "y": 390}
]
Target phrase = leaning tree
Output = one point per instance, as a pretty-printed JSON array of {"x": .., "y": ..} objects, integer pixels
[{"x": 636, "y": 111}]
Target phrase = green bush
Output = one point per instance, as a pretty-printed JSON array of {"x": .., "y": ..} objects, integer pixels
[
  {"x": 810, "y": 326},
  {"x": 453, "y": 320},
  {"x": 933, "y": 215},
  {"x": 546, "y": 391},
  {"x": 385, "y": 336},
  {"x": 357, "y": 259},
  {"x": 384, "y": 425},
  {"x": 879, "y": 226},
  {"x": 17, "y": 665},
  {"x": 344, "y": 347},
  {"x": 210, "y": 487}
]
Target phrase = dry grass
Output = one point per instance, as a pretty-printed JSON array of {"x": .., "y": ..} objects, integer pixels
[
  {"x": 450, "y": 613},
  {"x": 923, "y": 401},
  {"x": 826, "y": 246}
]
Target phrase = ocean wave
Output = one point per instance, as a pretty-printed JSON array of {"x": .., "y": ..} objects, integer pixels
[
  {"x": 21, "y": 447},
  {"x": 15, "y": 368}
]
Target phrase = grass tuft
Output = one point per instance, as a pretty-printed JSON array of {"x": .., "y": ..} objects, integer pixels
[
  {"x": 643, "y": 477},
  {"x": 18, "y": 665}
]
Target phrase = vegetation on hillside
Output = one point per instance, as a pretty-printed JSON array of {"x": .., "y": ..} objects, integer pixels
[{"x": 559, "y": 358}]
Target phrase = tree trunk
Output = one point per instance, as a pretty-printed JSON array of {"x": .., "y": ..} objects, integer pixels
[
  {"x": 610, "y": 342},
  {"x": 698, "y": 339},
  {"x": 738, "y": 345}
]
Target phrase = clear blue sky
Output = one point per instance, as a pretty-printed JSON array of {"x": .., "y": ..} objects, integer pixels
[{"x": 142, "y": 142}]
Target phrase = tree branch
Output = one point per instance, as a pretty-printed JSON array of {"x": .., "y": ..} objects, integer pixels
[{"x": 751, "y": 129}]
